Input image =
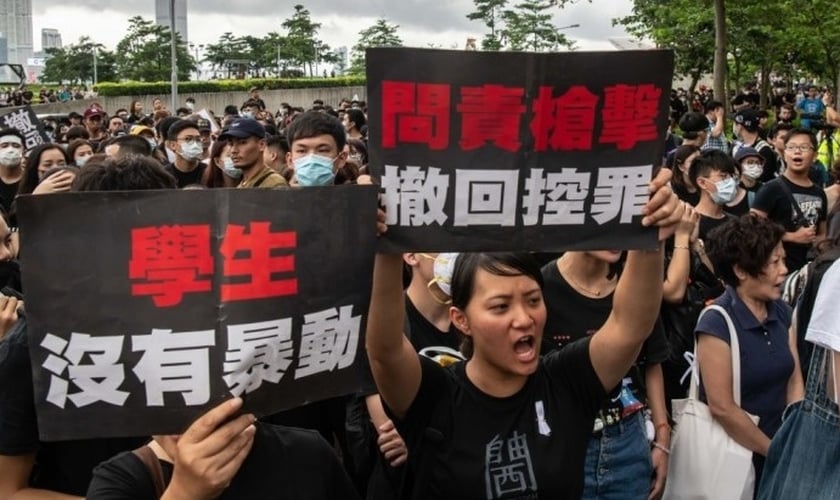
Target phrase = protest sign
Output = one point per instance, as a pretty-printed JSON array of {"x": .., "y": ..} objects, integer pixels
[
  {"x": 482, "y": 151},
  {"x": 145, "y": 309},
  {"x": 27, "y": 123}
]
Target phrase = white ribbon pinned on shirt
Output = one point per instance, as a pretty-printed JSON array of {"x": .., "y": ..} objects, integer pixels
[
  {"x": 542, "y": 425},
  {"x": 692, "y": 367}
]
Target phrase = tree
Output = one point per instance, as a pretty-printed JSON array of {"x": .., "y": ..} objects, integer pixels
[
  {"x": 301, "y": 40},
  {"x": 380, "y": 34},
  {"x": 490, "y": 13},
  {"x": 75, "y": 63},
  {"x": 530, "y": 27},
  {"x": 145, "y": 53}
]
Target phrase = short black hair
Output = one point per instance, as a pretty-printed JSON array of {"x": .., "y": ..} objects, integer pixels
[
  {"x": 129, "y": 145},
  {"x": 279, "y": 142},
  {"x": 711, "y": 160},
  {"x": 499, "y": 264},
  {"x": 778, "y": 128},
  {"x": 747, "y": 242},
  {"x": 162, "y": 127},
  {"x": 356, "y": 116},
  {"x": 802, "y": 131},
  {"x": 712, "y": 105},
  {"x": 313, "y": 124},
  {"x": 127, "y": 173},
  {"x": 230, "y": 109},
  {"x": 178, "y": 127}
]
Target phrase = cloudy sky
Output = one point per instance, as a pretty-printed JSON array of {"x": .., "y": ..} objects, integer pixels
[{"x": 422, "y": 22}]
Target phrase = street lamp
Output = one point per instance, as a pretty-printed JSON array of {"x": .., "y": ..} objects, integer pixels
[
  {"x": 95, "y": 72},
  {"x": 567, "y": 27},
  {"x": 197, "y": 49}
]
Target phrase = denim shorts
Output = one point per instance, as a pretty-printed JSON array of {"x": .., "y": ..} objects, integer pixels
[{"x": 618, "y": 464}]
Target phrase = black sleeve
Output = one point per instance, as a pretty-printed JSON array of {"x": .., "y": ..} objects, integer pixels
[
  {"x": 572, "y": 366},
  {"x": 768, "y": 198},
  {"x": 123, "y": 477},
  {"x": 770, "y": 164},
  {"x": 655, "y": 349},
  {"x": 434, "y": 389},
  {"x": 18, "y": 422}
]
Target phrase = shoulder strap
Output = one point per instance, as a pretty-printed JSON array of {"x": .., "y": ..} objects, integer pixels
[
  {"x": 150, "y": 460},
  {"x": 263, "y": 178},
  {"x": 734, "y": 349},
  {"x": 750, "y": 198},
  {"x": 793, "y": 201}
]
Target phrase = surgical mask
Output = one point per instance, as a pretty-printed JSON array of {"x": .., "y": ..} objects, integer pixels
[
  {"x": 443, "y": 268},
  {"x": 247, "y": 114},
  {"x": 726, "y": 191},
  {"x": 10, "y": 157},
  {"x": 192, "y": 151},
  {"x": 190, "y": 106},
  {"x": 152, "y": 143},
  {"x": 80, "y": 161},
  {"x": 230, "y": 170},
  {"x": 753, "y": 170},
  {"x": 314, "y": 170}
]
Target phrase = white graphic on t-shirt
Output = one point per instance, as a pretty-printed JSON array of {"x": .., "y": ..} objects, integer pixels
[
  {"x": 810, "y": 205},
  {"x": 508, "y": 467}
]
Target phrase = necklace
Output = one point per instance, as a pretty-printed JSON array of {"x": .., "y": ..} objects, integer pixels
[{"x": 596, "y": 293}]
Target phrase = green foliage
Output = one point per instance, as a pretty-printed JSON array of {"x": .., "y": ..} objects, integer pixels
[
  {"x": 75, "y": 63},
  {"x": 526, "y": 26},
  {"x": 145, "y": 53},
  {"x": 380, "y": 34},
  {"x": 162, "y": 87}
]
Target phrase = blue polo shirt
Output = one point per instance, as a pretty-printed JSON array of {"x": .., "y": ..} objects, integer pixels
[{"x": 766, "y": 360}]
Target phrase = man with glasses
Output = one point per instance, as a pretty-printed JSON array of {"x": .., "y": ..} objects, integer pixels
[
  {"x": 184, "y": 139},
  {"x": 794, "y": 201}
]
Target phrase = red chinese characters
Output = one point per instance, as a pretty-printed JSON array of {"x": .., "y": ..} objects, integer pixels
[
  {"x": 415, "y": 113},
  {"x": 629, "y": 115},
  {"x": 171, "y": 261},
  {"x": 565, "y": 123},
  {"x": 491, "y": 113},
  {"x": 252, "y": 254},
  {"x": 168, "y": 262}
]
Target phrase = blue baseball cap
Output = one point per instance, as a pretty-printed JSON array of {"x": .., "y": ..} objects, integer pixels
[{"x": 242, "y": 128}]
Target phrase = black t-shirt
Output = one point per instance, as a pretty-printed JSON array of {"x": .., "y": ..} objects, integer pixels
[
  {"x": 7, "y": 194},
  {"x": 186, "y": 178},
  {"x": 528, "y": 445},
  {"x": 709, "y": 223},
  {"x": 284, "y": 462},
  {"x": 773, "y": 200},
  {"x": 742, "y": 207},
  {"x": 63, "y": 466},
  {"x": 572, "y": 316},
  {"x": 422, "y": 333}
]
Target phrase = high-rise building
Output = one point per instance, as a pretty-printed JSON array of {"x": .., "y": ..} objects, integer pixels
[
  {"x": 16, "y": 24},
  {"x": 4, "y": 48},
  {"x": 162, "y": 16},
  {"x": 50, "y": 39}
]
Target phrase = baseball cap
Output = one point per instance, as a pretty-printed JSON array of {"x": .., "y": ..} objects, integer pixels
[
  {"x": 747, "y": 152},
  {"x": 243, "y": 128},
  {"x": 203, "y": 124},
  {"x": 93, "y": 111},
  {"x": 748, "y": 118},
  {"x": 139, "y": 129}
]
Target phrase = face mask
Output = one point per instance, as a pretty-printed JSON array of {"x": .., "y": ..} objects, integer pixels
[
  {"x": 726, "y": 191},
  {"x": 152, "y": 143},
  {"x": 192, "y": 151},
  {"x": 753, "y": 171},
  {"x": 80, "y": 161},
  {"x": 357, "y": 158},
  {"x": 230, "y": 170},
  {"x": 10, "y": 157},
  {"x": 443, "y": 267},
  {"x": 314, "y": 170},
  {"x": 248, "y": 114},
  {"x": 190, "y": 106}
]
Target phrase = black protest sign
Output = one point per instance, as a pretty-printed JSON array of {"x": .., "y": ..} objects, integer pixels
[
  {"x": 27, "y": 123},
  {"x": 481, "y": 151},
  {"x": 146, "y": 309}
]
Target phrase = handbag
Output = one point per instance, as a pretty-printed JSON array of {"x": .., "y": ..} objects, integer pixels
[
  {"x": 802, "y": 461},
  {"x": 705, "y": 462}
]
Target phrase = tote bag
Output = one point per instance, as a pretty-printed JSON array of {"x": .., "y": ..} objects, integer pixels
[
  {"x": 705, "y": 463},
  {"x": 804, "y": 456}
]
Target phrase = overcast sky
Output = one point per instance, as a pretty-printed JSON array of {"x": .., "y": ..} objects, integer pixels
[{"x": 439, "y": 22}]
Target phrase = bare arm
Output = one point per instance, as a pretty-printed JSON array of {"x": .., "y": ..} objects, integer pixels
[
  {"x": 796, "y": 386},
  {"x": 636, "y": 302},
  {"x": 715, "y": 360},
  {"x": 655, "y": 383},
  {"x": 393, "y": 361},
  {"x": 676, "y": 277},
  {"x": 14, "y": 480},
  {"x": 720, "y": 121}
]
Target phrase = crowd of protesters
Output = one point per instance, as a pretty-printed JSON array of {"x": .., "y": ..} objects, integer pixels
[{"x": 571, "y": 360}]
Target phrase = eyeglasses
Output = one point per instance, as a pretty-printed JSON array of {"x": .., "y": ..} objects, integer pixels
[
  {"x": 802, "y": 148},
  {"x": 189, "y": 139}
]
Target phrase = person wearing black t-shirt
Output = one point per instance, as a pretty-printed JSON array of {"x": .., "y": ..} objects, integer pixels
[
  {"x": 184, "y": 139},
  {"x": 715, "y": 175},
  {"x": 12, "y": 149},
  {"x": 778, "y": 200},
  {"x": 508, "y": 422},
  {"x": 228, "y": 457},
  {"x": 579, "y": 290}
]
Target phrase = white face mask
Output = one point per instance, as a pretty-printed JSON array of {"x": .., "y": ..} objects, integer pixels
[
  {"x": 443, "y": 268},
  {"x": 192, "y": 151},
  {"x": 753, "y": 171},
  {"x": 10, "y": 157},
  {"x": 230, "y": 170}
]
